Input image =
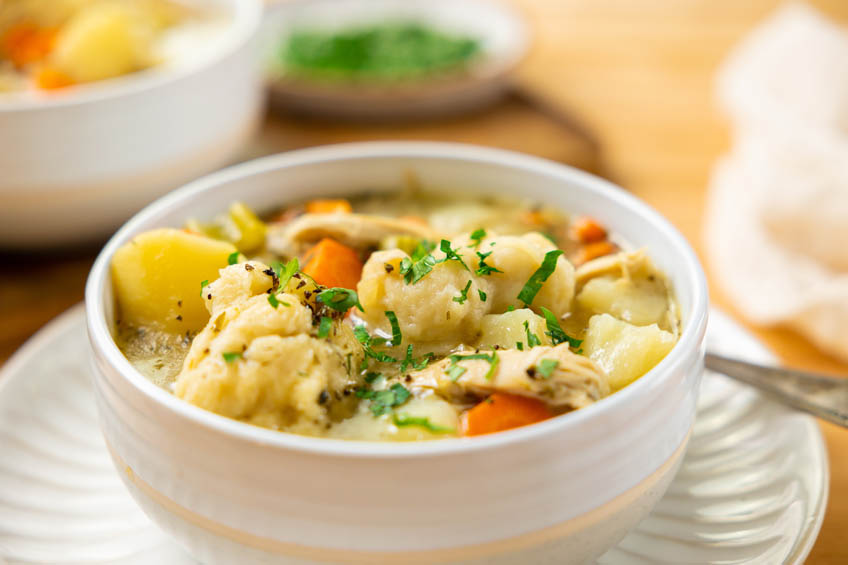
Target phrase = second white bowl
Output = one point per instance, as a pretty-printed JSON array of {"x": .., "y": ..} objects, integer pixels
[{"x": 75, "y": 164}]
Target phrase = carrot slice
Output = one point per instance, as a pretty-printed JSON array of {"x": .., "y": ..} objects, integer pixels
[
  {"x": 593, "y": 251},
  {"x": 333, "y": 264},
  {"x": 25, "y": 43},
  {"x": 587, "y": 230},
  {"x": 339, "y": 206},
  {"x": 48, "y": 78},
  {"x": 502, "y": 412}
]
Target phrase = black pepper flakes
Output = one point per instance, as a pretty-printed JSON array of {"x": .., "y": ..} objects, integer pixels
[
  {"x": 389, "y": 267},
  {"x": 323, "y": 397},
  {"x": 179, "y": 303},
  {"x": 301, "y": 284},
  {"x": 531, "y": 372},
  {"x": 248, "y": 267},
  {"x": 179, "y": 317}
]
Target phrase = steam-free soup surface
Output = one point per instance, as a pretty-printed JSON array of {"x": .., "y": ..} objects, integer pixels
[{"x": 407, "y": 316}]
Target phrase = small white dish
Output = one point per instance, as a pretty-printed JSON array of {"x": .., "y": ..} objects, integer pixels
[
  {"x": 752, "y": 487},
  {"x": 232, "y": 492},
  {"x": 503, "y": 33},
  {"x": 75, "y": 164}
]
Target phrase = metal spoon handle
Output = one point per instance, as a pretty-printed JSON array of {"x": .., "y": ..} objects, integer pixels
[{"x": 821, "y": 396}]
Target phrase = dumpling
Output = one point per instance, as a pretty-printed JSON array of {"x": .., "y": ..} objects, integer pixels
[
  {"x": 426, "y": 310},
  {"x": 262, "y": 364},
  {"x": 518, "y": 257}
]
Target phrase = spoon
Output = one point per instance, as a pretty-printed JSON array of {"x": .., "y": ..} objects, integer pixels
[{"x": 819, "y": 395}]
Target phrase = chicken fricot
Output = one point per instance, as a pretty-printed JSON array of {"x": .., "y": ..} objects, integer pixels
[
  {"x": 402, "y": 317},
  {"x": 51, "y": 44}
]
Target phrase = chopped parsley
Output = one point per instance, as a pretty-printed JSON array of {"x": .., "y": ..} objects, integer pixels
[
  {"x": 232, "y": 356},
  {"x": 372, "y": 376},
  {"x": 463, "y": 294},
  {"x": 510, "y": 308},
  {"x": 519, "y": 345},
  {"x": 368, "y": 342},
  {"x": 233, "y": 258},
  {"x": 454, "y": 371},
  {"x": 451, "y": 254},
  {"x": 416, "y": 364},
  {"x": 421, "y": 250},
  {"x": 477, "y": 236},
  {"x": 555, "y": 330},
  {"x": 545, "y": 367},
  {"x": 340, "y": 299},
  {"x": 324, "y": 326},
  {"x": 285, "y": 272},
  {"x": 414, "y": 270},
  {"x": 404, "y": 420},
  {"x": 382, "y": 401},
  {"x": 532, "y": 339},
  {"x": 481, "y": 294},
  {"x": 534, "y": 283},
  {"x": 397, "y": 337},
  {"x": 273, "y": 301},
  {"x": 483, "y": 268},
  {"x": 203, "y": 284},
  {"x": 493, "y": 365}
]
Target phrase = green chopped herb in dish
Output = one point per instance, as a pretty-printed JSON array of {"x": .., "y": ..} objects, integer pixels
[{"x": 383, "y": 52}]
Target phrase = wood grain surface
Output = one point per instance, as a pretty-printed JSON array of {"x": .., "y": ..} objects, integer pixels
[{"x": 623, "y": 88}]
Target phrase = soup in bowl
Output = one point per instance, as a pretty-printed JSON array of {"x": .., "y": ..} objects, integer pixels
[{"x": 271, "y": 343}]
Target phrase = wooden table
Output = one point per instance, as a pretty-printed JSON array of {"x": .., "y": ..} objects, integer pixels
[{"x": 622, "y": 88}]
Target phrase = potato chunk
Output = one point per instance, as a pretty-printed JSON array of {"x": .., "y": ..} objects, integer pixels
[
  {"x": 506, "y": 330},
  {"x": 624, "y": 351},
  {"x": 157, "y": 277},
  {"x": 638, "y": 301},
  {"x": 102, "y": 41}
]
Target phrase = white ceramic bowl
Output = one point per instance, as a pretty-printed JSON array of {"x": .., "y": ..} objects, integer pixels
[
  {"x": 74, "y": 165},
  {"x": 502, "y": 32},
  {"x": 561, "y": 491}
]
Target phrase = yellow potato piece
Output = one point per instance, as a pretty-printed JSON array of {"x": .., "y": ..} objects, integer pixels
[
  {"x": 625, "y": 352},
  {"x": 157, "y": 278},
  {"x": 640, "y": 302},
  {"x": 102, "y": 41},
  {"x": 507, "y": 330}
]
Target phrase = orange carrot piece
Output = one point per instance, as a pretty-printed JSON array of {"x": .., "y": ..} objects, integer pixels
[
  {"x": 587, "y": 230},
  {"x": 533, "y": 217},
  {"x": 25, "y": 43},
  {"x": 593, "y": 251},
  {"x": 502, "y": 412},
  {"x": 339, "y": 206},
  {"x": 333, "y": 264},
  {"x": 48, "y": 78}
]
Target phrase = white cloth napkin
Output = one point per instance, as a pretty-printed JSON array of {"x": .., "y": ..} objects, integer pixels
[{"x": 777, "y": 214}]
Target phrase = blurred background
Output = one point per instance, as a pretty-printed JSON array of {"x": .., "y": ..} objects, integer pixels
[{"x": 650, "y": 94}]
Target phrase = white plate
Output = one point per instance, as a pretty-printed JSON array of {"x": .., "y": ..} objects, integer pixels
[{"x": 752, "y": 488}]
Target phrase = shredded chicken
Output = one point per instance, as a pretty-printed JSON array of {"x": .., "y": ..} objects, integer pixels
[
  {"x": 573, "y": 383},
  {"x": 624, "y": 263},
  {"x": 357, "y": 230}
]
